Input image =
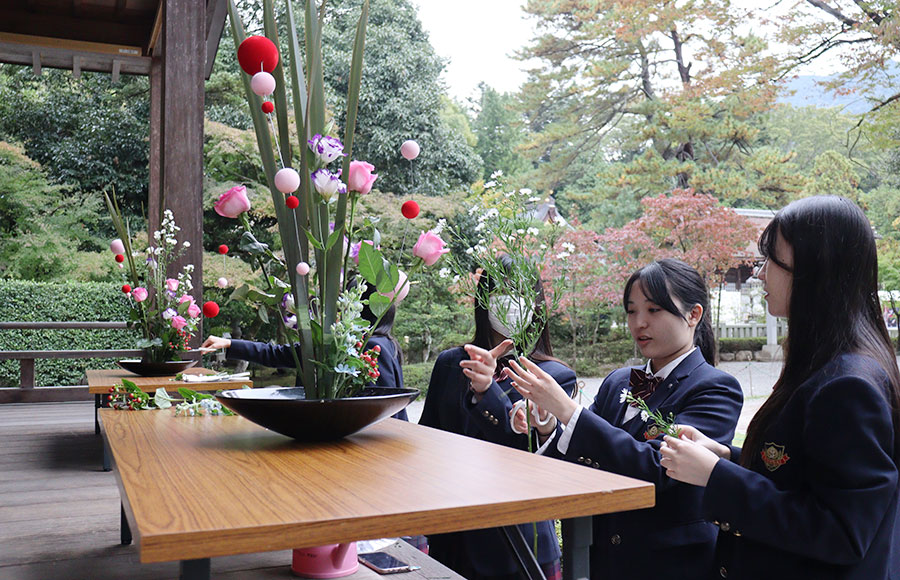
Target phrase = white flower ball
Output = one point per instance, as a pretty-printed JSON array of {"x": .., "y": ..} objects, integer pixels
[
  {"x": 409, "y": 150},
  {"x": 222, "y": 282},
  {"x": 287, "y": 180},
  {"x": 262, "y": 84}
]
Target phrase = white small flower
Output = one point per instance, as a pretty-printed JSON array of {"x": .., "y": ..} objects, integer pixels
[
  {"x": 533, "y": 231},
  {"x": 455, "y": 281},
  {"x": 568, "y": 247},
  {"x": 480, "y": 226},
  {"x": 525, "y": 191},
  {"x": 623, "y": 396},
  {"x": 490, "y": 184},
  {"x": 562, "y": 255},
  {"x": 470, "y": 251},
  {"x": 521, "y": 231},
  {"x": 186, "y": 244},
  {"x": 442, "y": 223},
  {"x": 645, "y": 416},
  {"x": 534, "y": 199},
  {"x": 444, "y": 272},
  {"x": 473, "y": 209},
  {"x": 543, "y": 246},
  {"x": 496, "y": 174}
]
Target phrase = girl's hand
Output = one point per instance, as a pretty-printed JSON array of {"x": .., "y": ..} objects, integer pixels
[
  {"x": 693, "y": 434},
  {"x": 216, "y": 342},
  {"x": 687, "y": 461},
  {"x": 539, "y": 387},
  {"x": 482, "y": 363}
]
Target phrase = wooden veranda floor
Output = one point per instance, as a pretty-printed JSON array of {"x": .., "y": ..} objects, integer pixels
[{"x": 59, "y": 511}]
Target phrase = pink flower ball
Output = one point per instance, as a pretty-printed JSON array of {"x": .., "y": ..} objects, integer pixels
[
  {"x": 116, "y": 246},
  {"x": 303, "y": 268},
  {"x": 222, "y": 282},
  {"x": 262, "y": 84},
  {"x": 287, "y": 180},
  {"x": 409, "y": 150}
]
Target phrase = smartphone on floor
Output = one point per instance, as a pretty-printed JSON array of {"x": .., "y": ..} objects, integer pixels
[{"x": 384, "y": 563}]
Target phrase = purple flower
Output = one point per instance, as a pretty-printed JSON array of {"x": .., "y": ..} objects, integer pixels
[
  {"x": 328, "y": 184},
  {"x": 327, "y": 149},
  {"x": 290, "y": 321},
  {"x": 169, "y": 313}
]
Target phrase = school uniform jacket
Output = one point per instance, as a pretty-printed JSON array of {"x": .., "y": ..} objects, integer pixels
[
  {"x": 820, "y": 500},
  {"x": 448, "y": 406},
  {"x": 672, "y": 539},
  {"x": 279, "y": 356}
]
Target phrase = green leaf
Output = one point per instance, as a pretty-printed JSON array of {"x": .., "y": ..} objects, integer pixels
[
  {"x": 315, "y": 243},
  {"x": 263, "y": 314},
  {"x": 336, "y": 235},
  {"x": 240, "y": 293},
  {"x": 251, "y": 245},
  {"x": 371, "y": 263},
  {"x": 379, "y": 304}
]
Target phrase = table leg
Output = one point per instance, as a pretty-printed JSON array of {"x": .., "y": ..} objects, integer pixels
[
  {"x": 577, "y": 537},
  {"x": 107, "y": 463},
  {"x": 526, "y": 560},
  {"x": 125, "y": 529},
  {"x": 194, "y": 569},
  {"x": 98, "y": 402}
]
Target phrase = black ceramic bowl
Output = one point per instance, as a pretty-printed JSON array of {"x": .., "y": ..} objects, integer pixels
[
  {"x": 155, "y": 369},
  {"x": 285, "y": 410}
]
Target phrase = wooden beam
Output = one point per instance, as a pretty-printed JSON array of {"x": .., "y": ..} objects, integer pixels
[{"x": 70, "y": 44}]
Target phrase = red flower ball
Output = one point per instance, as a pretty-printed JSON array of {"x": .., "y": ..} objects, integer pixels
[
  {"x": 126, "y": 288},
  {"x": 409, "y": 209},
  {"x": 292, "y": 202},
  {"x": 210, "y": 309},
  {"x": 120, "y": 258},
  {"x": 268, "y": 107},
  {"x": 223, "y": 249},
  {"x": 257, "y": 53}
]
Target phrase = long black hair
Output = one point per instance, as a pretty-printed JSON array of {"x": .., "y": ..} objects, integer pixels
[
  {"x": 834, "y": 307},
  {"x": 542, "y": 350},
  {"x": 669, "y": 277},
  {"x": 386, "y": 324}
]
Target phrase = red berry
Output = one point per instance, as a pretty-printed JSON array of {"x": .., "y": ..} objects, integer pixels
[
  {"x": 409, "y": 209},
  {"x": 376, "y": 348},
  {"x": 126, "y": 288},
  {"x": 268, "y": 107},
  {"x": 210, "y": 309},
  {"x": 223, "y": 249},
  {"x": 292, "y": 202},
  {"x": 120, "y": 258}
]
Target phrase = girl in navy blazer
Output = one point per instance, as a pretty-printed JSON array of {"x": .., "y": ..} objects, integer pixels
[
  {"x": 280, "y": 356},
  {"x": 667, "y": 309},
  {"x": 813, "y": 492},
  {"x": 466, "y": 382}
]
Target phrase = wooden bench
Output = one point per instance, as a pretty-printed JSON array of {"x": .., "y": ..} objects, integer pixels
[{"x": 26, "y": 358}]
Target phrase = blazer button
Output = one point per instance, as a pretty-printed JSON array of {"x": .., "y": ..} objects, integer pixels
[
  {"x": 486, "y": 413},
  {"x": 725, "y": 526},
  {"x": 581, "y": 460},
  {"x": 723, "y": 572},
  {"x": 587, "y": 460},
  {"x": 596, "y": 465},
  {"x": 615, "y": 540},
  {"x": 494, "y": 420}
]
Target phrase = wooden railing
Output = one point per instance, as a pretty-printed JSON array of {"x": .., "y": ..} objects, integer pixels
[{"x": 26, "y": 358}]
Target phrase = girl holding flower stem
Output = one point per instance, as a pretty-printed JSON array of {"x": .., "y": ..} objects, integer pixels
[
  {"x": 667, "y": 308},
  {"x": 466, "y": 381},
  {"x": 815, "y": 490}
]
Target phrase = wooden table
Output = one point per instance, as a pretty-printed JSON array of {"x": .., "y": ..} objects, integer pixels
[{"x": 193, "y": 488}]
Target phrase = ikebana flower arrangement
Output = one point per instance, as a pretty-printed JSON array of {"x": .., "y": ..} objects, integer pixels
[
  {"x": 161, "y": 306},
  {"x": 665, "y": 425},
  {"x": 315, "y": 184}
]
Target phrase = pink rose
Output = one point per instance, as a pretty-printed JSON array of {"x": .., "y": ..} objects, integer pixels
[
  {"x": 361, "y": 177},
  {"x": 178, "y": 322},
  {"x": 430, "y": 248},
  {"x": 193, "y": 310},
  {"x": 185, "y": 298},
  {"x": 139, "y": 294},
  {"x": 233, "y": 202},
  {"x": 171, "y": 284}
]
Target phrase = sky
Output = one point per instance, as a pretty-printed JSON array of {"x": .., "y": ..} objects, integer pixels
[{"x": 479, "y": 38}]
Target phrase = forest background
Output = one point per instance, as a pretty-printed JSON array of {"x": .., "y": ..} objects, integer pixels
[{"x": 641, "y": 121}]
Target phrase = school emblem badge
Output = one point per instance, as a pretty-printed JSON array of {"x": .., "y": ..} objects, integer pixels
[
  {"x": 774, "y": 456},
  {"x": 652, "y": 432}
]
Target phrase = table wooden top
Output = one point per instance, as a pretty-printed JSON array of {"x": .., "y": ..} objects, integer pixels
[
  {"x": 100, "y": 380},
  {"x": 200, "y": 487}
]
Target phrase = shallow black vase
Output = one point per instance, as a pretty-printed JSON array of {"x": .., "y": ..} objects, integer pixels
[
  {"x": 155, "y": 369},
  {"x": 286, "y": 410}
]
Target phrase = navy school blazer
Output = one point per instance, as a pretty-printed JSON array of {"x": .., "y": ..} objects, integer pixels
[
  {"x": 279, "y": 356},
  {"x": 820, "y": 499},
  {"x": 670, "y": 540},
  {"x": 448, "y": 406}
]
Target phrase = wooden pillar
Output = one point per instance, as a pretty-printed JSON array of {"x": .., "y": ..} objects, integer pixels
[{"x": 177, "y": 77}]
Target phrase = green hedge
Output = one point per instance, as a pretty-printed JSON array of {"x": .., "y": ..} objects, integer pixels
[
  {"x": 26, "y": 301},
  {"x": 735, "y": 344}
]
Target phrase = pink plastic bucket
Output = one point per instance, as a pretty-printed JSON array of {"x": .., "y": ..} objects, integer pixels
[{"x": 329, "y": 561}]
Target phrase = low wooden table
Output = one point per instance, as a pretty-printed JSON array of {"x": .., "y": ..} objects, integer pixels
[{"x": 193, "y": 488}]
